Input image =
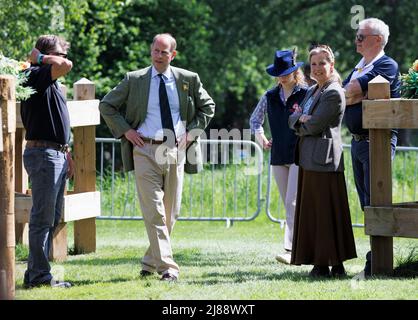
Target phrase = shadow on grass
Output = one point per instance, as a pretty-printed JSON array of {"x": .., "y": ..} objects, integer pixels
[
  {"x": 104, "y": 261},
  {"x": 185, "y": 258},
  {"x": 194, "y": 258},
  {"x": 79, "y": 283},
  {"x": 214, "y": 278},
  {"x": 407, "y": 266},
  {"x": 406, "y": 270}
]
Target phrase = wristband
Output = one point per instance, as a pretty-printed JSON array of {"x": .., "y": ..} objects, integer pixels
[{"x": 40, "y": 58}]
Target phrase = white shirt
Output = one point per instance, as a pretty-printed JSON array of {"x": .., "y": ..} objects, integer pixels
[
  {"x": 361, "y": 69},
  {"x": 152, "y": 127}
]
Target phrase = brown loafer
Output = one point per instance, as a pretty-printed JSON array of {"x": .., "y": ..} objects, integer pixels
[
  {"x": 145, "y": 273},
  {"x": 168, "y": 277}
]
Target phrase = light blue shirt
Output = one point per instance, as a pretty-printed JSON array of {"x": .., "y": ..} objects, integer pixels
[
  {"x": 152, "y": 127},
  {"x": 307, "y": 106}
]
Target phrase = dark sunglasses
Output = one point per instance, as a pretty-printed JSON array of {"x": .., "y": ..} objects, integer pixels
[
  {"x": 60, "y": 54},
  {"x": 361, "y": 37}
]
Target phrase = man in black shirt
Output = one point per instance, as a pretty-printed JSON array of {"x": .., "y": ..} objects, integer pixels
[{"x": 46, "y": 157}]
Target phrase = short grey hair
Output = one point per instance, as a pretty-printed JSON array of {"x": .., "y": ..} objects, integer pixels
[{"x": 378, "y": 27}]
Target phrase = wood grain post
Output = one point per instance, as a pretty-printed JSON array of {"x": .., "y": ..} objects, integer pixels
[
  {"x": 380, "y": 180},
  {"x": 21, "y": 183},
  {"x": 7, "y": 188},
  {"x": 85, "y": 174},
  {"x": 59, "y": 246}
]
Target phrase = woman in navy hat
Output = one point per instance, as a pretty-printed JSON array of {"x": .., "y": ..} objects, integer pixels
[{"x": 279, "y": 103}]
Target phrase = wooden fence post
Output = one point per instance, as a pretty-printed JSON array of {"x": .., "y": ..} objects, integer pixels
[
  {"x": 7, "y": 188},
  {"x": 21, "y": 183},
  {"x": 380, "y": 180},
  {"x": 85, "y": 174}
]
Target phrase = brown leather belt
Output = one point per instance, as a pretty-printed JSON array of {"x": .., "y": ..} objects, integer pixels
[
  {"x": 47, "y": 144},
  {"x": 152, "y": 141}
]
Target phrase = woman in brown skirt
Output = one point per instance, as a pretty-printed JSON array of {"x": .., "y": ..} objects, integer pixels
[{"x": 323, "y": 235}]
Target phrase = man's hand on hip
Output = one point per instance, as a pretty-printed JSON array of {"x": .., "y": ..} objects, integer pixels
[{"x": 134, "y": 138}]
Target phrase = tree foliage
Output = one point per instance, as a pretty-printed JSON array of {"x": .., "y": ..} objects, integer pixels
[{"x": 229, "y": 43}]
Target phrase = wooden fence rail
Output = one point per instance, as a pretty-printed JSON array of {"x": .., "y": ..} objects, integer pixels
[
  {"x": 383, "y": 219},
  {"x": 81, "y": 205}
]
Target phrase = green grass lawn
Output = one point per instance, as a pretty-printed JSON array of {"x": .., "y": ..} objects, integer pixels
[{"x": 215, "y": 263}]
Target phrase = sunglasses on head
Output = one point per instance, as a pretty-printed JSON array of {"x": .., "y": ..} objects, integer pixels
[
  {"x": 317, "y": 45},
  {"x": 323, "y": 47},
  {"x": 361, "y": 37}
]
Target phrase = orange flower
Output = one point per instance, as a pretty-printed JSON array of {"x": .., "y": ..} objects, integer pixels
[
  {"x": 415, "y": 66},
  {"x": 23, "y": 65}
]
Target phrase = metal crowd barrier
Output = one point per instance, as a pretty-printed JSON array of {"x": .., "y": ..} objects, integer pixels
[
  {"x": 226, "y": 192},
  {"x": 404, "y": 183},
  {"x": 228, "y": 189}
]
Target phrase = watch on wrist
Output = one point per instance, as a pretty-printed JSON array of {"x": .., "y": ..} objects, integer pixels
[{"x": 40, "y": 58}]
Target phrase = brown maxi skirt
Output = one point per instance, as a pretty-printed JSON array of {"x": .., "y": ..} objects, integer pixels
[{"x": 322, "y": 233}]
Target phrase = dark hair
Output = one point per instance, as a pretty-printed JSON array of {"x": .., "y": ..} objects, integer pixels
[{"x": 48, "y": 43}]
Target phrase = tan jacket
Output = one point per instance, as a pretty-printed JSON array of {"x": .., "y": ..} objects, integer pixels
[{"x": 196, "y": 109}]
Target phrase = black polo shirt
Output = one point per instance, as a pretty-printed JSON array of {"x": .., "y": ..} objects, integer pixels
[{"x": 45, "y": 114}]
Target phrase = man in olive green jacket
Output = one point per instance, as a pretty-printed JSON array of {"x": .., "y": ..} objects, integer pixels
[{"x": 145, "y": 135}]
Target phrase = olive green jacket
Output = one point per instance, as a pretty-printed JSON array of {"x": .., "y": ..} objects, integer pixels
[{"x": 196, "y": 109}]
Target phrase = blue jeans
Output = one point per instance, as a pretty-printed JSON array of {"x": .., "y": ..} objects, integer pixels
[
  {"x": 47, "y": 170},
  {"x": 361, "y": 168}
]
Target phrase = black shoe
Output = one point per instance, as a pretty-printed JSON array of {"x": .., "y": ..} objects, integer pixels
[
  {"x": 368, "y": 265},
  {"x": 319, "y": 271},
  {"x": 168, "y": 277},
  {"x": 338, "y": 271},
  {"x": 145, "y": 273}
]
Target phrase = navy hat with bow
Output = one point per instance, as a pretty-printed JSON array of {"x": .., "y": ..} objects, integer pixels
[{"x": 284, "y": 64}]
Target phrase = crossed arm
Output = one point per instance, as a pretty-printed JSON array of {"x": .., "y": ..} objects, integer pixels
[
  {"x": 353, "y": 92},
  {"x": 327, "y": 111}
]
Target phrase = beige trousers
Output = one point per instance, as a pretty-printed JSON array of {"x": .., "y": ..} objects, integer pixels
[
  {"x": 287, "y": 180},
  {"x": 159, "y": 180}
]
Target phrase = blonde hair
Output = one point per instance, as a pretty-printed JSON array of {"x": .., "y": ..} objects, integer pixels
[
  {"x": 323, "y": 48},
  {"x": 300, "y": 78}
]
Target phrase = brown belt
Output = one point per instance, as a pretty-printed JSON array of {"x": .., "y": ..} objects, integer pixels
[
  {"x": 47, "y": 144},
  {"x": 152, "y": 141}
]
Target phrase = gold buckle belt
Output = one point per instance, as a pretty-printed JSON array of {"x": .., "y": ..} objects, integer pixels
[{"x": 47, "y": 144}]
